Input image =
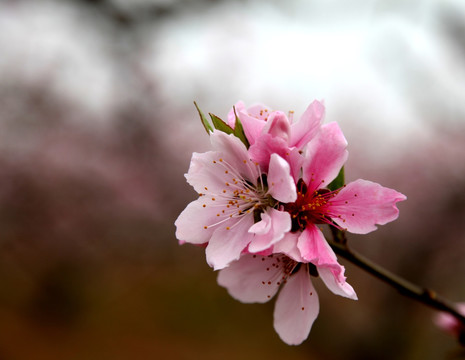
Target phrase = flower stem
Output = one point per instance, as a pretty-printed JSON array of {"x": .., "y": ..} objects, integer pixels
[{"x": 406, "y": 288}]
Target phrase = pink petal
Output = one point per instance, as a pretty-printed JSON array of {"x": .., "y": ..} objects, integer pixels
[
  {"x": 252, "y": 278},
  {"x": 252, "y": 126},
  {"x": 325, "y": 156},
  {"x": 362, "y": 204},
  {"x": 206, "y": 176},
  {"x": 295, "y": 160},
  {"x": 308, "y": 125},
  {"x": 449, "y": 323},
  {"x": 315, "y": 249},
  {"x": 270, "y": 230},
  {"x": 278, "y": 126},
  {"x": 239, "y": 106},
  {"x": 226, "y": 245},
  {"x": 262, "y": 227},
  {"x": 259, "y": 111},
  {"x": 335, "y": 281},
  {"x": 264, "y": 146},
  {"x": 280, "y": 182},
  {"x": 191, "y": 222},
  {"x": 234, "y": 154},
  {"x": 296, "y": 308},
  {"x": 288, "y": 246}
]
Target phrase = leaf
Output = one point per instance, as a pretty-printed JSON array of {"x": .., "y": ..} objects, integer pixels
[
  {"x": 203, "y": 118},
  {"x": 338, "y": 182},
  {"x": 239, "y": 131}
]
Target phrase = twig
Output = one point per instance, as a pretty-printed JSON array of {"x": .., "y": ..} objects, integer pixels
[{"x": 406, "y": 288}]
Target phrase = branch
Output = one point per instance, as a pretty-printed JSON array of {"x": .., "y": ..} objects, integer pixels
[{"x": 406, "y": 288}]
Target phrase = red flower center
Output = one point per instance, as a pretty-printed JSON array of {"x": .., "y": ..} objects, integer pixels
[{"x": 310, "y": 207}]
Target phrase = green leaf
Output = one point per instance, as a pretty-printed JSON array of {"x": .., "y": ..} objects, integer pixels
[
  {"x": 239, "y": 131},
  {"x": 203, "y": 118},
  {"x": 221, "y": 125},
  {"x": 338, "y": 182}
]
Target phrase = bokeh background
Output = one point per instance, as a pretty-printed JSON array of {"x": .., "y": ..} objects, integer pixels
[{"x": 97, "y": 127}]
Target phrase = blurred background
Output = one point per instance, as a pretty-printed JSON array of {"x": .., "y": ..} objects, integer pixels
[{"x": 97, "y": 127}]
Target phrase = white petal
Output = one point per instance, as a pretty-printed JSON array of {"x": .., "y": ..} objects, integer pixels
[
  {"x": 253, "y": 278},
  {"x": 296, "y": 308}
]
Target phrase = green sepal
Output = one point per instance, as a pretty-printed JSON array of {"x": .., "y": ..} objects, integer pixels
[
  {"x": 219, "y": 124},
  {"x": 239, "y": 130},
  {"x": 338, "y": 182},
  {"x": 208, "y": 128}
]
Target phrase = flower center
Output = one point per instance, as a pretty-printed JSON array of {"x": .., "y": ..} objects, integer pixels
[
  {"x": 310, "y": 207},
  {"x": 239, "y": 197}
]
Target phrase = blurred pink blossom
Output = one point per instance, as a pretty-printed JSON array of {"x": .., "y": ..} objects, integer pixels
[{"x": 450, "y": 324}]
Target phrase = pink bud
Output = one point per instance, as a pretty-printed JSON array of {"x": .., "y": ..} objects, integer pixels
[{"x": 450, "y": 324}]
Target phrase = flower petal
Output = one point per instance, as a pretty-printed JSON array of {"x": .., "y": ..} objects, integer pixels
[
  {"x": 239, "y": 106},
  {"x": 227, "y": 243},
  {"x": 325, "y": 156},
  {"x": 288, "y": 246},
  {"x": 206, "y": 176},
  {"x": 252, "y": 126},
  {"x": 280, "y": 182},
  {"x": 315, "y": 249},
  {"x": 259, "y": 111},
  {"x": 234, "y": 154},
  {"x": 278, "y": 126},
  {"x": 270, "y": 230},
  {"x": 190, "y": 224},
  {"x": 296, "y": 308},
  {"x": 362, "y": 204},
  {"x": 252, "y": 278},
  {"x": 264, "y": 146},
  {"x": 308, "y": 125},
  {"x": 335, "y": 282}
]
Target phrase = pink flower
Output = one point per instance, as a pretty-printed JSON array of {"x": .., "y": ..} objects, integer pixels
[
  {"x": 256, "y": 119},
  {"x": 238, "y": 207},
  {"x": 271, "y": 132},
  {"x": 450, "y": 324},
  {"x": 357, "y": 207},
  {"x": 259, "y": 210},
  {"x": 256, "y": 278}
]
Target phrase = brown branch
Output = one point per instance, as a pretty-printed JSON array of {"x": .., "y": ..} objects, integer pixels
[{"x": 406, "y": 288}]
